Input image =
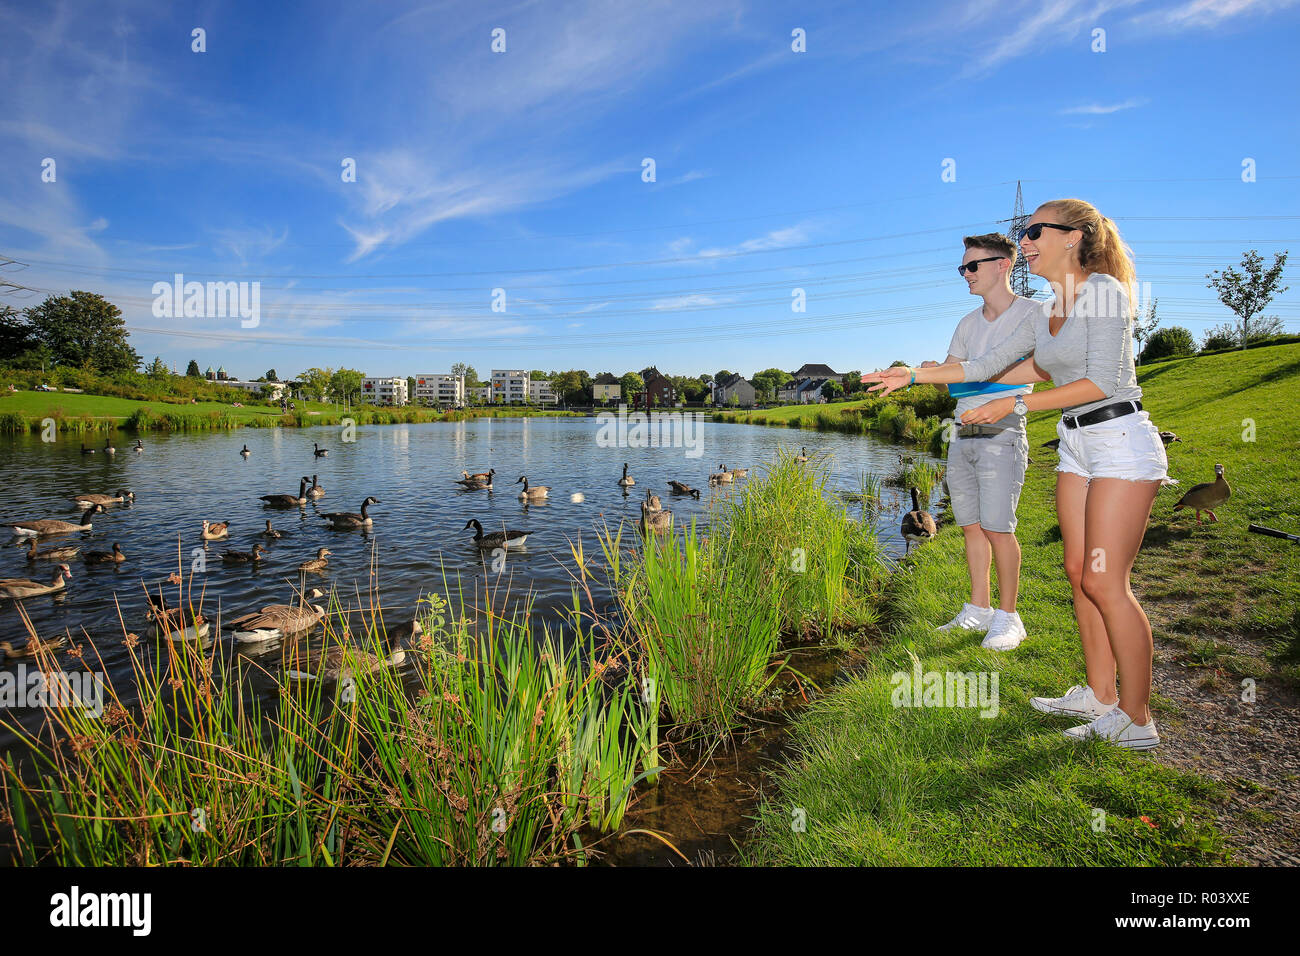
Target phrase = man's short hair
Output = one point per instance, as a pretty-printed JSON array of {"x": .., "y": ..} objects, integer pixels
[{"x": 993, "y": 242}]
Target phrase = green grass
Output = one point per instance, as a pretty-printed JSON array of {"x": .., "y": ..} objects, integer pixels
[{"x": 871, "y": 783}]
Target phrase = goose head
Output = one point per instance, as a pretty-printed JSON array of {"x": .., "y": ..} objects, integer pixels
[{"x": 475, "y": 524}]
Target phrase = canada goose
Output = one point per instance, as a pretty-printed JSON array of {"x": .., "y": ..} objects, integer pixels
[
  {"x": 215, "y": 530},
  {"x": 271, "y": 532},
  {"x": 654, "y": 520},
  {"x": 802, "y": 457},
  {"x": 58, "y": 553},
  {"x": 85, "y": 450},
  {"x": 495, "y": 539},
  {"x": 139, "y": 446},
  {"x": 319, "y": 452},
  {"x": 350, "y": 519},
  {"x": 472, "y": 485},
  {"x": 342, "y": 662},
  {"x": 318, "y": 563},
  {"x": 288, "y": 501},
  {"x": 722, "y": 477},
  {"x": 1167, "y": 437},
  {"x": 1054, "y": 443},
  {"x": 533, "y": 493},
  {"x": 26, "y": 587},
  {"x": 172, "y": 621},
  {"x": 918, "y": 525},
  {"x": 1206, "y": 496},
  {"x": 32, "y": 647},
  {"x": 477, "y": 482},
  {"x": 44, "y": 526},
  {"x": 315, "y": 491},
  {"x": 652, "y": 502},
  {"x": 243, "y": 557},
  {"x": 276, "y": 620},
  {"x": 625, "y": 481},
  {"x": 479, "y": 476},
  {"x": 106, "y": 557},
  {"x": 681, "y": 489},
  {"x": 735, "y": 472},
  {"x": 88, "y": 499},
  {"x": 244, "y": 452},
  {"x": 108, "y": 448}
]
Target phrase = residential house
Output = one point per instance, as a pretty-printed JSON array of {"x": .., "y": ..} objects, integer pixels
[
  {"x": 818, "y": 371},
  {"x": 384, "y": 391},
  {"x": 734, "y": 389},
  {"x": 659, "y": 391},
  {"x": 509, "y": 386},
  {"x": 605, "y": 388},
  {"x": 440, "y": 388},
  {"x": 789, "y": 391}
]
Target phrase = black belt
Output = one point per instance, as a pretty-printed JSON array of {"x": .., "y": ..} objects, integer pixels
[
  {"x": 1103, "y": 414},
  {"x": 978, "y": 431}
]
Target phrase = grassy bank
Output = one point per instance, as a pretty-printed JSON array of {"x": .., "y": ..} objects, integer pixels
[{"x": 871, "y": 783}]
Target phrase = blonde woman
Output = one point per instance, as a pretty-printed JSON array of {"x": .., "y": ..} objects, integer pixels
[{"x": 1112, "y": 461}]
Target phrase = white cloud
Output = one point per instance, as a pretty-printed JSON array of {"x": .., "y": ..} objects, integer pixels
[{"x": 1102, "y": 109}]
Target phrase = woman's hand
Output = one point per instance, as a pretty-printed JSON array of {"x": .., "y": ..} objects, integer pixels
[
  {"x": 890, "y": 379},
  {"x": 990, "y": 412}
]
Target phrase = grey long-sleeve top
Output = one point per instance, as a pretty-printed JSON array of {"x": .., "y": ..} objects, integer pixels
[{"x": 1095, "y": 342}]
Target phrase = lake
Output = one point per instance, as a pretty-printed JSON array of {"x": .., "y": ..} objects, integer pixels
[{"x": 419, "y": 525}]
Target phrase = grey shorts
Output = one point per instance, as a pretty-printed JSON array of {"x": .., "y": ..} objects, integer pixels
[{"x": 985, "y": 476}]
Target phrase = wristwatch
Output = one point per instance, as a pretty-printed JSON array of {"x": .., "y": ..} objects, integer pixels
[{"x": 1021, "y": 408}]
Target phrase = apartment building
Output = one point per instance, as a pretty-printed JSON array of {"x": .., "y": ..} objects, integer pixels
[
  {"x": 440, "y": 388},
  {"x": 384, "y": 391},
  {"x": 509, "y": 386},
  {"x": 541, "y": 393}
]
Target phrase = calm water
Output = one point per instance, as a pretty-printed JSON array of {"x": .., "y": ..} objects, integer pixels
[{"x": 180, "y": 480}]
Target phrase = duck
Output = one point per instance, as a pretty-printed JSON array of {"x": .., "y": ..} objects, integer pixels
[
  {"x": 349, "y": 519},
  {"x": 1054, "y": 443},
  {"x": 139, "y": 446},
  {"x": 626, "y": 481},
  {"x": 681, "y": 489},
  {"x": 479, "y": 476},
  {"x": 318, "y": 563},
  {"x": 495, "y": 539},
  {"x": 318, "y": 451},
  {"x": 106, "y": 557},
  {"x": 477, "y": 482},
  {"x": 532, "y": 493},
  {"x": 44, "y": 526},
  {"x": 108, "y": 447},
  {"x": 654, "y": 520},
  {"x": 1206, "y": 496},
  {"x": 271, "y": 532},
  {"x": 172, "y": 621},
  {"x": 277, "y": 620},
  {"x": 58, "y": 553},
  {"x": 918, "y": 525},
  {"x": 25, "y": 587},
  {"x": 736, "y": 472},
  {"x": 243, "y": 557},
  {"x": 315, "y": 491},
  {"x": 288, "y": 501},
  {"x": 1167, "y": 438},
  {"x": 215, "y": 530},
  {"x": 244, "y": 452},
  {"x": 85, "y": 450},
  {"x": 343, "y": 662},
  {"x": 87, "y": 499},
  {"x": 32, "y": 647},
  {"x": 802, "y": 457}
]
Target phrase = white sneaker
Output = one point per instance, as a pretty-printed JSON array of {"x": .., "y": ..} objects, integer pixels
[
  {"x": 970, "y": 618},
  {"x": 1078, "y": 701},
  {"x": 1119, "y": 728},
  {"x": 1006, "y": 631}
]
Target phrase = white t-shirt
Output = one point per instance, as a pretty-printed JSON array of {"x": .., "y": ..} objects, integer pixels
[{"x": 975, "y": 336}]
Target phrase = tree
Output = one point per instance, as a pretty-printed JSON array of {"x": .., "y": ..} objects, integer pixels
[
  {"x": 270, "y": 375},
  {"x": 1248, "y": 293},
  {"x": 1144, "y": 327},
  {"x": 1222, "y": 336},
  {"x": 157, "y": 370},
  {"x": 316, "y": 383},
  {"x": 16, "y": 334},
  {"x": 84, "y": 330},
  {"x": 832, "y": 389},
  {"x": 471, "y": 378},
  {"x": 1169, "y": 343},
  {"x": 192, "y": 370},
  {"x": 344, "y": 383},
  {"x": 767, "y": 382},
  {"x": 853, "y": 381},
  {"x": 630, "y": 384},
  {"x": 410, "y": 389}
]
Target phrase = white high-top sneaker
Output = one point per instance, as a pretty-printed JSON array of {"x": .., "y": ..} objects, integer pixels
[
  {"x": 1119, "y": 728},
  {"x": 970, "y": 618},
  {"x": 1006, "y": 631},
  {"x": 1079, "y": 701}
]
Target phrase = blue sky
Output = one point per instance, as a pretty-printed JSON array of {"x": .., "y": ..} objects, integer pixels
[{"x": 523, "y": 170}]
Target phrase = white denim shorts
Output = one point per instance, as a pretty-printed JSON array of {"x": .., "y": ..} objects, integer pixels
[{"x": 1127, "y": 447}]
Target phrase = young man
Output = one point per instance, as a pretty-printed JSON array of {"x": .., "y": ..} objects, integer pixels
[{"x": 986, "y": 463}]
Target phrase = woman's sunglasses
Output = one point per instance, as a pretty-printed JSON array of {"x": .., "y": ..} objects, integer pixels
[
  {"x": 974, "y": 264},
  {"x": 1036, "y": 230}
]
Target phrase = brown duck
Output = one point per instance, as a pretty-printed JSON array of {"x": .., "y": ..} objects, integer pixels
[{"x": 1206, "y": 496}]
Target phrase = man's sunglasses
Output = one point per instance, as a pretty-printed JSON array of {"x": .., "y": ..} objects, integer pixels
[
  {"x": 1036, "y": 230},
  {"x": 974, "y": 264}
]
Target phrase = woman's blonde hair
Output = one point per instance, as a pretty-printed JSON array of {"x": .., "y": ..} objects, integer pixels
[{"x": 1101, "y": 249}]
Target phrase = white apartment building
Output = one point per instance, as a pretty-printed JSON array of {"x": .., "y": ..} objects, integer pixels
[
  {"x": 510, "y": 386},
  {"x": 384, "y": 391},
  {"x": 274, "y": 389},
  {"x": 541, "y": 393},
  {"x": 481, "y": 394},
  {"x": 440, "y": 388}
]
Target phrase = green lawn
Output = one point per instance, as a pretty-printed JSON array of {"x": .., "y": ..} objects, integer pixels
[
  {"x": 871, "y": 783},
  {"x": 73, "y": 405}
]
